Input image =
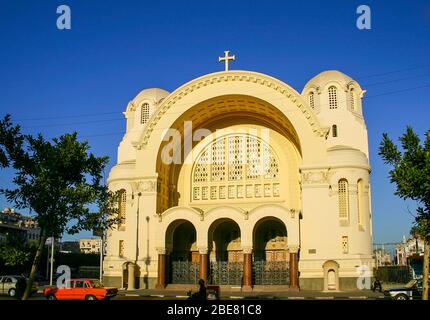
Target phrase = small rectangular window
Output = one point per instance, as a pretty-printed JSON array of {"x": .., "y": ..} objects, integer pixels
[
  {"x": 204, "y": 193},
  {"x": 344, "y": 244},
  {"x": 240, "y": 191},
  {"x": 214, "y": 190},
  {"x": 267, "y": 190},
  {"x": 276, "y": 189},
  {"x": 231, "y": 192},
  {"x": 222, "y": 192},
  {"x": 196, "y": 193},
  {"x": 249, "y": 191},
  {"x": 121, "y": 248},
  {"x": 258, "y": 192}
]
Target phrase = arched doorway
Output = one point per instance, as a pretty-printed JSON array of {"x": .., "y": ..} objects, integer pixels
[
  {"x": 183, "y": 266},
  {"x": 125, "y": 274},
  {"x": 225, "y": 253},
  {"x": 331, "y": 275},
  {"x": 271, "y": 256}
]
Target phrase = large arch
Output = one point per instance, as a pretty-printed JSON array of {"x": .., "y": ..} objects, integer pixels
[
  {"x": 169, "y": 219},
  {"x": 290, "y": 218},
  {"x": 281, "y": 97}
]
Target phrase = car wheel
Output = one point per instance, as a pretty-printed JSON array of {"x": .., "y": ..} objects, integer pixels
[
  {"x": 51, "y": 297},
  {"x": 90, "y": 298},
  {"x": 12, "y": 292},
  {"x": 401, "y": 296}
]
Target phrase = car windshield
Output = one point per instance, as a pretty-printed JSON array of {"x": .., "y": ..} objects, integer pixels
[
  {"x": 410, "y": 284},
  {"x": 96, "y": 284}
]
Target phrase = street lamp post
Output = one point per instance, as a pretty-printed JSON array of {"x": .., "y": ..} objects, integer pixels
[{"x": 52, "y": 261}]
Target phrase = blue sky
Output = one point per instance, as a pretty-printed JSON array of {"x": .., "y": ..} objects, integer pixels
[{"x": 54, "y": 81}]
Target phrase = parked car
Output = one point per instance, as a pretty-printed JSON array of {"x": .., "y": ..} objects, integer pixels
[
  {"x": 411, "y": 291},
  {"x": 8, "y": 285},
  {"x": 81, "y": 289}
]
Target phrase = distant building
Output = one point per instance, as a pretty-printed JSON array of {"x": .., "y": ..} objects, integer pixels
[
  {"x": 89, "y": 245},
  {"x": 69, "y": 247},
  {"x": 408, "y": 248},
  {"x": 382, "y": 257},
  {"x": 15, "y": 222}
]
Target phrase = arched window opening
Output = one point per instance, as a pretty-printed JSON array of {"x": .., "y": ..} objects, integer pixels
[
  {"x": 234, "y": 167},
  {"x": 360, "y": 202},
  {"x": 332, "y": 97},
  {"x": 352, "y": 99},
  {"x": 122, "y": 207},
  {"x": 343, "y": 199},
  {"x": 312, "y": 100},
  {"x": 144, "y": 113}
]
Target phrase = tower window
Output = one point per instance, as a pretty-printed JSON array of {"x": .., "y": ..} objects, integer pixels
[
  {"x": 121, "y": 248},
  {"x": 332, "y": 97},
  {"x": 144, "y": 113},
  {"x": 352, "y": 99},
  {"x": 343, "y": 199},
  {"x": 334, "y": 130},
  {"x": 121, "y": 207},
  {"x": 360, "y": 202},
  {"x": 312, "y": 100}
]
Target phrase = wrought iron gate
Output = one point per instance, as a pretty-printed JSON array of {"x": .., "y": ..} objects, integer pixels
[
  {"x": 270, "y": 272},
  {"x": 224, "y": 272},
  {"x": 185, "y": 272}
]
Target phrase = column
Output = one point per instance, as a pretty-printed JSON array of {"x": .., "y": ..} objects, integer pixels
[
  {"x": 161, "y": 276},
  {"x": 203, "y": 261},
  {"x": 131, "y": 276},
  {"x": 294, "y": 267},
  {"x": 247, "y": 269}
]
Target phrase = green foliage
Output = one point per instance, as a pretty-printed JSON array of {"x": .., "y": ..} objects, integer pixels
[
  {"x": 57, "y": 180},
  {"x": 10, "y": 140},
  {"x": 411, "y": 174},
  {"x": 14, "y": 251}
]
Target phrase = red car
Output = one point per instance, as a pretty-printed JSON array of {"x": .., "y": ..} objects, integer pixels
[{"x": 81, "y": 289}]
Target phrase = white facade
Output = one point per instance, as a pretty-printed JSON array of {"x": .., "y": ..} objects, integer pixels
[
  {"x": 89, "y": 245},
  {"x": 310, "y": 200}
]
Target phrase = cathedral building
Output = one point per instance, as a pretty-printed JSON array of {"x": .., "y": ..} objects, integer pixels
[{"x": 238, "y": 179}]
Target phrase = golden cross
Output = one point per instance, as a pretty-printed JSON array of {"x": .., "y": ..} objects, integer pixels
[{"x": 226, "y": 58}]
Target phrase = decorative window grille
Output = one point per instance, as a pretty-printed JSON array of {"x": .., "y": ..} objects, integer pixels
[
  {"x": 312, "y": 100},
  {"x": 204, "y": 193},
  {"x": 240, "y": 191},
  {"x": 144, "y": 113},
  {"x": 121, "y": 248},
  {"x": 214, "y": 194},
  {"x": 258, "y": 192},
  {"x": 352, "y": 99},
  {"x": 343, "y": 199},
  {"x": 345, "y": 244},
  {"x": 222, "y": 192},
  {"x": 360, "y": 202},
  {"x": 235, "y": 157},
  {"x": 332, "y": 97},
  {"x": 224, "y": 166},
  {"x": 122, "y": 207},
  {"x": 196, "y": 193},
  {"x": 276, "y": 189}
]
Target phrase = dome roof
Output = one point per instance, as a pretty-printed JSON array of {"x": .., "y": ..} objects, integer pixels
[
  {"x": 324, "y": 77},
  {"x": 155, "y": 94}
]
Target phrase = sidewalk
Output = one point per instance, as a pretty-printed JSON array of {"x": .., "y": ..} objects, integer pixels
[{"x": 301, "y": 295}]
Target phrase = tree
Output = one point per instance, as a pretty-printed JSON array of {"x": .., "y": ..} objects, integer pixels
[
  {"x": 14, "y": 251},
  {"x": 411, "y": 174},
  {"x": 10, "y": 140},
  {"x": 57, "y": 180}
]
